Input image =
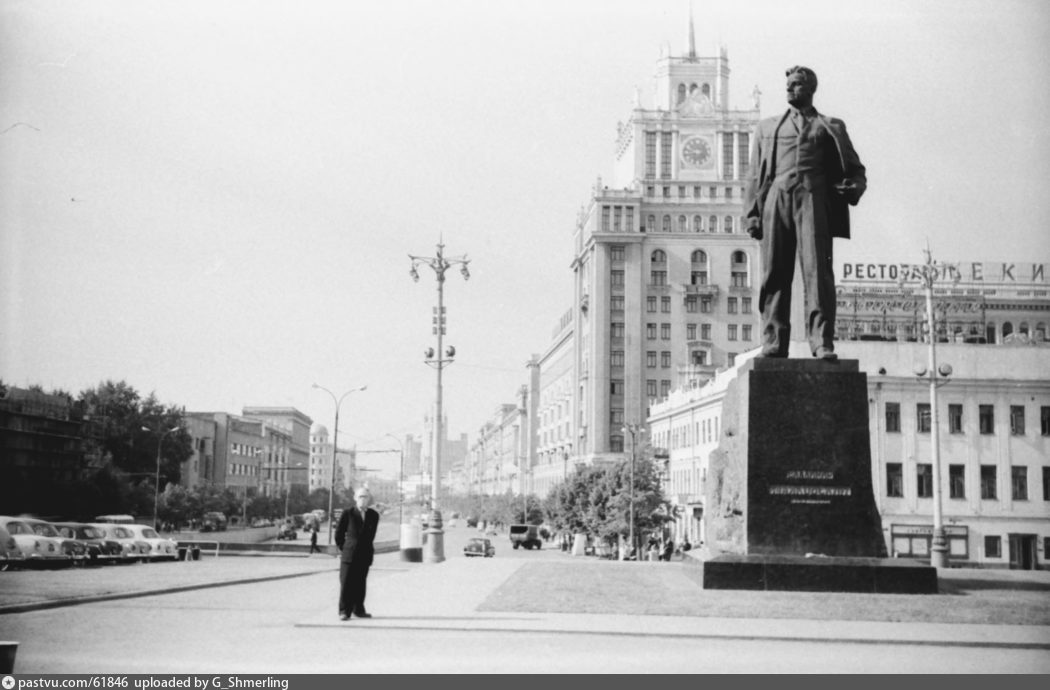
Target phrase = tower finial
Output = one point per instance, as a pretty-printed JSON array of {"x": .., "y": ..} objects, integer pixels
[{"x": 692, "y": 35}]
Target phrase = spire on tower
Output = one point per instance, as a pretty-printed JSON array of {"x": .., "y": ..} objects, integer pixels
[{"x": 692, "y": 35}]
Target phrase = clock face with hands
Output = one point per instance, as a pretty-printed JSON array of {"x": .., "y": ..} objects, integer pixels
[{"x": 696, "y": 152}]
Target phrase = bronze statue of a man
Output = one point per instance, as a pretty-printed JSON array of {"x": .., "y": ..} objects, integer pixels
[{"x": 804, "y": 175}]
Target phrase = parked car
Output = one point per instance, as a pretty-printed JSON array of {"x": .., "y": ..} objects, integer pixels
[
  {"x": 37, "y": 550},
  {"x": 100, "y": 548},
  {"x": 160, "y": 548},
  {"x": 213, "y": 521},
  {"x": 75, "y": 549},
  {"x": 134, "y": 549},
  {"x": 10, "y": 555},
  {"x": 479, "y": 546},
  {"x": 286, "y": 531}
]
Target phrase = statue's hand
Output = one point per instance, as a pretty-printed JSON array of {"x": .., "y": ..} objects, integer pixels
[
  {"x": 755, "y": 231},
  {"x": 848, "y": 189}
]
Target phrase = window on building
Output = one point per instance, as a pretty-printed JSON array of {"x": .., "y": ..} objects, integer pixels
[
  {"x": 955, "y": 419},
  {"x": 616, "y": 358},
  {"x": 922, "y": 417},
  {"x": 616, "y": 416},
  {"x": 894, "y": 479},
  {"x": 1019, "y": 483},
  {"x": 727, "y": 224},
  {"x": 616, "y": 329},
  {"x": 690, "y": 304},
  {"x": 989, "y": 490},
  {"x": 665, "y": 388},
  {"x": 650, "y": 154},
  {"x": 658, "y": 278},
  {"x": 924, "y": 480},
  {"x": 665, "y": 305},
  {"x": 681, "y": 191},
  {"x": 705, "y": 304},
  {"x": 650, "y": 358},
  {"x": 745, "y": 305},
  {"x": 665, "y": 331},
  {"x": 1044, "y": 421},
  {"x": 665, "y": 360},
  {"x": 616, "y": 278},
  {"x": 616, "y": 443},
  {"x": 1017, "y": 420},
  {"x": 986, "y": 419},
  {"x": 699, "y": 357},
  {"x": 690, "y": 331},
  {"x": 617, "y": 218},
  {"x": 742, "y": 144},
  {"x": 683, "y": 224},
  {"x": 729, "y": 192},
  {"x": 616, "y": 303},
  {"x": 665, "y": 155},
  {"x": 993, "y": 547},
  {"x": 665, "y": 223},
  {"x": 1046, "y": 483},
  {"x": 616, "y": 252},
  {"x": 650, "y": 331},
  {"x": 650, "y": 220},
  {"x": 650, "y": 304},
  {"x": 731, "y": 331},
  {"x": 712, "y": 221},
  {"x": 727, "y": 156},
  {"x": 738, "y": 278},
  {"x": 616, "y": 387},
  {"x": 745, "y": 332},
  {"x": 650, "y": 388},
  {"x": 731, "y": 305},
  {"x": 605, "y": 218},
  {"x": 697, "y": 191},
  {"x": 956, "y": 481},
  {"x": 705, "y": 331},
  {"x": 698, "y": 224}
]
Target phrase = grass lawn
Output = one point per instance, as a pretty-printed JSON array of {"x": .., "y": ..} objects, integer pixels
[{"x": 587, "y": 585}]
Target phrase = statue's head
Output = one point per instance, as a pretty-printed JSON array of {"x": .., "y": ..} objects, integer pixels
[{"x": 801, "y": 85}]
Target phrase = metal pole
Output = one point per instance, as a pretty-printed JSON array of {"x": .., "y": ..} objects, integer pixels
[
  {"x": 331, "y": 486},
  {"x": 939, "y": 548},
  {"x": 633, "y": 444},
  {"x": 156, "y": 483}
]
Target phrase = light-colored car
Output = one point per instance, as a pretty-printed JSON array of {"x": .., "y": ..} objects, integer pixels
[
  {"x": 133, "y": 548},
  {"x": 10, "y": 555},
  {"x": 160, "y": 548},
  {"x": 76, "y": 550},
  {"x": 38, "y": 550}
]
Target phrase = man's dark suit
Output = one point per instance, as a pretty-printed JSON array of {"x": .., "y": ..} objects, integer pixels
[
  {"x": 355, "y": 537},
  {"x": 792, "y": 206}
]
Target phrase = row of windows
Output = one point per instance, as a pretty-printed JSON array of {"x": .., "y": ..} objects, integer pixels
[
  {"x": 734, "y": 331},
  {"x": 658, "y": 278},
  {"x": 985, "y": 418},
  {"x": 737, "y": 260},
  {"x": 235, "y": 468},
  {"x": 957, "y": 481},
  {"x": 696, "y": 223},
  {"x": 245, "y": 449}
]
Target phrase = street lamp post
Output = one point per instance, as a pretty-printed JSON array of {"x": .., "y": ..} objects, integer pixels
[
  {"x": 632, "y": 429},
  {"x": 928, "y": 273},
  {"x": 435, "y": 545},
  {"x": 156, "y": 481},
  {"x": 335, "y": 447}
]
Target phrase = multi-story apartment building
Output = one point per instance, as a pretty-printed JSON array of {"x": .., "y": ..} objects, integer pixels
[
  {"x": 297, "y": 425},
  {"x": 994, "y": 433}
]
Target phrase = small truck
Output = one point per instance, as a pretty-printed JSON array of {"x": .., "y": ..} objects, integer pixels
[{"x": 525, "y": 535}]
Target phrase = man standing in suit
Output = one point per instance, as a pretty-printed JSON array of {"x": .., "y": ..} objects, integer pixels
[
  {"x": 804, "y": 174},
  {"x": 354, "y": 537}
]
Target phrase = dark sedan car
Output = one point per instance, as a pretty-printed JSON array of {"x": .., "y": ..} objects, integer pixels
[
  {"x": 479, "y": 546},
  {"x": 100, "y": 548}
]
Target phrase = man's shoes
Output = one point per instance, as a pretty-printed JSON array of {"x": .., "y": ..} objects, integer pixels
[
  {"x": 825, "y": 353},
  {"x": 344, "y": 616},
  {"x": 362, "y": 614}
]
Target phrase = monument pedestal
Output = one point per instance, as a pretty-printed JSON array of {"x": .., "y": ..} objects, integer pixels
[{"x": 789, "y": 501}]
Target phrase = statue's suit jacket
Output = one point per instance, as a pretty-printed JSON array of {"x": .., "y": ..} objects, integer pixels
[
  {"x": 840, "y": 164},
  {"x": 355, "y": 537}
]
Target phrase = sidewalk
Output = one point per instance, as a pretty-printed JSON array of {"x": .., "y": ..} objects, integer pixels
[{"x": 449, "y": 596}]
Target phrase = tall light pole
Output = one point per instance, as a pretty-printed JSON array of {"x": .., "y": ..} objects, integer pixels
[
  {"x": 435, "y": 546},
  {"x": 632, "y": 429},
  {"x": 156, "y": 482},
  {"x": 335, "y": 447},
  {"x": 928, "y": 273}
]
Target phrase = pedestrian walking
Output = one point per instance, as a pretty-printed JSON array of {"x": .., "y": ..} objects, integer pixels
[{"x": 313, "y": 541}]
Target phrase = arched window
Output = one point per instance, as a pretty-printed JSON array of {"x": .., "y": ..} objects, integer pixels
[
  {"x": 1008, "y": 328},
  {"x": 738, "y": 269},
  {"x": 728, "y": 224},
  {"x": 1040, "y": 331},
  {"x": 659, "y": 256},
  {"x": 1023, "y": 328},
  {"x": 712, "y": 224},
  {"x": 698, "y": 224},
  {"x": 650, "y": 224},
  {"x": 667, "y": 224},
  {"x": 681, "y": 92},
  {"x": 698, "y": 268},
  {"x": 683, "y": 224}
]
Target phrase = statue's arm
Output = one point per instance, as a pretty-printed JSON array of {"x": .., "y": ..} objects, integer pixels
[{"x": 855, "y": 180}]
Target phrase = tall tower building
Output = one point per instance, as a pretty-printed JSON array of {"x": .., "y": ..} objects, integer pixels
[{"x": 665, "y": 275}]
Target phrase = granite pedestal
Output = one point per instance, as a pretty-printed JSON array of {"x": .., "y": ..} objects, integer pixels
[{"x": 789, "y": 500}]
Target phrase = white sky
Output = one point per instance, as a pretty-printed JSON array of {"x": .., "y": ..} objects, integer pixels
[{"x": 215, "y": 201}]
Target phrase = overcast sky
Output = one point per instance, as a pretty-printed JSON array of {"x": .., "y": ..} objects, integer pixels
[{"x": 215, "y": 201}]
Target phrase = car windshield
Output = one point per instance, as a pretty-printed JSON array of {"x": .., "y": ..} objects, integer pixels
[
  {"x": 122, "y": 533},
  {"x": 18, "y": 528},
  {"x": 150, "y": 533},
  {"x": 91, "y": 533},
  {"x": 45, "y": 530}
]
